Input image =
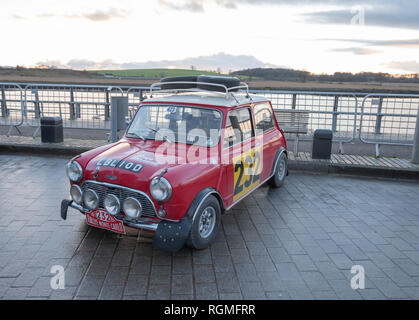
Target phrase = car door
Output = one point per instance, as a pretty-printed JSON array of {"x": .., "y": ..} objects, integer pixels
[
  {"x": 267, "y": 138},
  {"x": 239, "y": 143}
]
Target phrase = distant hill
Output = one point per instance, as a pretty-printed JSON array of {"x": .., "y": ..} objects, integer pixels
[
  {"x": 152, "y": 73},
  {"x": 156, "y": 74},
  {"x": 282, "y": 74}
]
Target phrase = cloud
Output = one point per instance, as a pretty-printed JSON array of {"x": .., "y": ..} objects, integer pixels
[
  {"x": 404, "y": 43},
  {"x": 409, "y": 66},
  {"x": 357, "y": 51},
  {"x": 386, "y": 13},
  {"x": 96, "y": 16},
  {"x": 397, "y": 14},
  {"x": 186, "y": 5},
  {"x": 101, "y": 15}
]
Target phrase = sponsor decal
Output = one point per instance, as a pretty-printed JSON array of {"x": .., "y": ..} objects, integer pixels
[{"x": 120, "y": 164}]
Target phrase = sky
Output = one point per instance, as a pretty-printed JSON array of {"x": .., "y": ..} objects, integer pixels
[{"x": 320, "y": 36}]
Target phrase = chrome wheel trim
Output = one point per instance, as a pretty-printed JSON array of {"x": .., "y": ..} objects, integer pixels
[
  {"x": 207, "y": 222},
  {"x": 282, "y": 169}
]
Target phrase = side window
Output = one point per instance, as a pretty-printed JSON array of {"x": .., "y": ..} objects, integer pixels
[
  {"x": 238, "y": 127},
  {"x": 263, "y": 117}
]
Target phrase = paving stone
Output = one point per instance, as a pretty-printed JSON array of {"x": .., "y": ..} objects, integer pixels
[
  {"x": 204, "y": 273},
  {"x": 136, "y": 285},
  {"x": 158, "y": 292},
  {"x": 206, "y": 291},
  {"x": 182, "y": 284},
  {"x": 111, "y": 292},
  {"x": 252, "y": 291}
]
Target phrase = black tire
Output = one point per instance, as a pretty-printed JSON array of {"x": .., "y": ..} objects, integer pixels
[
  {"x": 195, "y": 239},
  {"x": 229, "y": 82},
  {"x": 179, "y": 85},
  {"x": 281, "y": 171}
]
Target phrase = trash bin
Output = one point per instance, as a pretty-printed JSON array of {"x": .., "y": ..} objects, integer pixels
[
  {"x": 52, "y": 129},
  {"x": 322, "y": 144}
]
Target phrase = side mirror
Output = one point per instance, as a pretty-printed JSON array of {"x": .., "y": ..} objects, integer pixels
[{"x": 127, "y": 120}]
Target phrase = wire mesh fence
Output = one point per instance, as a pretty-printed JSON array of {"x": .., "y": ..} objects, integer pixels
[
  {"x": 336, "y": 111},
  {"x": 11, "y": 100},
  {"x": 388, "y": 119},
  {"x": 382, "y": 118}
]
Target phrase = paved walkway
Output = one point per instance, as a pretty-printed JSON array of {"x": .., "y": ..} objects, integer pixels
[{"x": 296, "y": 242}]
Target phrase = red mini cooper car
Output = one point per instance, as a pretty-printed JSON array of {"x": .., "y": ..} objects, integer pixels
[{"x": 185, "y": 158}]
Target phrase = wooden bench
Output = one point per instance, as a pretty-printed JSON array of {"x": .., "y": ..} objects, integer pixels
[{"x": 293, "y": 121}]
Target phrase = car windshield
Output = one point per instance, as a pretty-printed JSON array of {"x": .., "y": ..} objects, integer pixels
[{"x": 190, "y": 125}]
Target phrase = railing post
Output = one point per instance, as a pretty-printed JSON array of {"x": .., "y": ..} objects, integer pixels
[
  {"x": 119, "y": 112},
  {"x": 379, "y": 116},
  {"x": 293, "y": 107},
  {"x": 72, "y": 111},
  {"x": 4, "y": 111},
  {"x": 37, "y": 109},
  {"x": 415, "y": 153},
  {"x": 107, "y": 106},
  {"x": 335, "y": 114}
]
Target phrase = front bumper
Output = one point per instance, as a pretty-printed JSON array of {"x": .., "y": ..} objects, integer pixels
[{"x": 169, "y": 235}]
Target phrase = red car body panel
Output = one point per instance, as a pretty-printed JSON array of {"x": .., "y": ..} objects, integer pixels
[{"x": 187, "y": 179}]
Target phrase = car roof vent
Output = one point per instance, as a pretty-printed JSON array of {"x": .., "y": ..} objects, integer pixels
[{"x": 208, "y": 83}]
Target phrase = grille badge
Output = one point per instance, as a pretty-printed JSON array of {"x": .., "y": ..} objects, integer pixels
[{"x": 111, "y": 177}]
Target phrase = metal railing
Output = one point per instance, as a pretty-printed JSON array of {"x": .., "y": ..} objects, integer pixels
[
  {"x": 336, "y": 111},
  {"x": 380, "y": 119},
  {"x": 388, "y": 119},
  {"x": 11, "y": 102}
]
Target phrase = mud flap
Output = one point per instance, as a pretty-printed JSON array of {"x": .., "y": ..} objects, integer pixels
[
  {"x": 64, "y": 207},
  {"x": 171, "y": 236}
]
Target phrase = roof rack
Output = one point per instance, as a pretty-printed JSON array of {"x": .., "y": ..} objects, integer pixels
[{"x": 228, "y": 90}]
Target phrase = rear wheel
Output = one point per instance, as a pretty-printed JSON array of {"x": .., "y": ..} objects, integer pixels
[
  {"x": 281, "y": 171},
  {"x": 206, "y": 224}
]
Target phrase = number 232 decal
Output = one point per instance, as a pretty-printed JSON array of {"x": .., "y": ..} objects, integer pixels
[{"x": 247, "y": 168}]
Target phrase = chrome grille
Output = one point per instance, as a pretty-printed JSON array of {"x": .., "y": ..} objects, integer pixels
[{"x": 102, "y": 189}]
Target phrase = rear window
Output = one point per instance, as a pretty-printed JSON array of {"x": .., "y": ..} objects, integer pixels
[{"x": 263, "y": 117}]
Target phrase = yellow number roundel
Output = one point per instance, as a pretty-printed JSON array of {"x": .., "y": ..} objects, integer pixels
[{"x": 247, "y": 168}]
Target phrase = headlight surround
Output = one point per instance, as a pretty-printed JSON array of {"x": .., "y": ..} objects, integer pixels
[
  {"x": 76, "y": 194},
  {"x": 90, "y": 199},
  {"x": 112, "y": 204},
  {"x": 74, "y": 171},
  {"x": 160, "y": 189},
  {"x": 132, "y": 208}
]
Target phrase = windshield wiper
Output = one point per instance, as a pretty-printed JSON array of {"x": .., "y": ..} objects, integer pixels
[
  {"x": 165, "y": 138},
  {"x": 135, "y": 135}
]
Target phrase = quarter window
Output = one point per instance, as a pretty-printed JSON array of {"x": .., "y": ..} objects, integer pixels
[
  {"x": 238, "y": 127},
  {"x": 263, "y": 117}
]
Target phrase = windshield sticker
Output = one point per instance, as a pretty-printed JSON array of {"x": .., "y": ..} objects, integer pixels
[
  {"x": 171, "y": 109},
  {"x": 120, "y": 164}
]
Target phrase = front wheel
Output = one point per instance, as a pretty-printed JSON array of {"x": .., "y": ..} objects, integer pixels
[
  {"x": 281, "y": 171},
  {"x": 206, "y": 224}
]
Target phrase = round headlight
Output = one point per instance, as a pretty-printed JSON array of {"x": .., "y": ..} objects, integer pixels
[
  {"x": 76, "y": 193},
  {"x": 74, "y": 171},
  {"x": 160, "y": 189},
  {"x": 132, "y": 208},
  {"x": 91, "y": 199},
  {"x": 112, "y": 204}
]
